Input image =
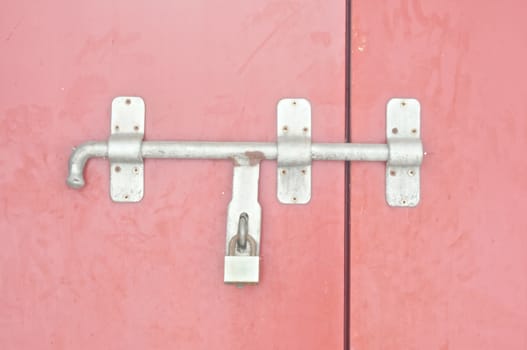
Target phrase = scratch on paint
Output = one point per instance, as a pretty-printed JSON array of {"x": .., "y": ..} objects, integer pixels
[
  {"x": 13, "y": 30},
  {"x": 264, "y": 42}
]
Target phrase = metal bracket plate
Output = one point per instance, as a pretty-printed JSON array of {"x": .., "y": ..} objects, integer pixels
[
  {"x": 403, "y": 132},
  {"x": 124, "y": 149},
  {"x": 294, "y": 151}
]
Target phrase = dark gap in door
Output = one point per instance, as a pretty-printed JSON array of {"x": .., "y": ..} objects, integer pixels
[{"x": 347, "y": 187}]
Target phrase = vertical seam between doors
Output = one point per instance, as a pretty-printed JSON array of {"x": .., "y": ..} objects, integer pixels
[{"x": 347, "y": 187}]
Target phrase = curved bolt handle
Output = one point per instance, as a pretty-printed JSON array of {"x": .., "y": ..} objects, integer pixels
[{"x": 78, "y": 160}]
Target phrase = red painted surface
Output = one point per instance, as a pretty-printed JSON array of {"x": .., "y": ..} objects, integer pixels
[
  {"x": 452, "y": 273},
  {"x": 80, "y": 272}
]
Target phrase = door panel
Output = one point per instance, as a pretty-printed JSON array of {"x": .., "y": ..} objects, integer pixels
[
  {"x": 80, "y": 272},
  {"x": 451, "y": 273}
]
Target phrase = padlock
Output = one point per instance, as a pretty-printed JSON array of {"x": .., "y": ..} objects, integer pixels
[{"x": 241, "y": 263}]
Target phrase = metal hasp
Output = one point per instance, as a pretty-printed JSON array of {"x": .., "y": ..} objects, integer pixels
[
  {"x": 293, "y": 151},
  {"x": 244, "y": 217}
]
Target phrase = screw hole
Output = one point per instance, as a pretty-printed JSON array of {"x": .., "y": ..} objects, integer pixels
[
  {"x": 136, "y": 170},
  {"x": 304, "y": 171},
  {"x": 392, "y": 172},
  {"x": 116, "y": 128},
  {"x": 284, "y": 171},
  {"x": 285, "y": 128},
  {"x": 117, "y": 169},
  {"x": 411, "y": 172},
  {"x": 136, "y": 128},
  {"x": 128, "y": 101},
  {"x": 294, "y": 102},
  {"x": 306, "y": 129},
  {"x": 403, "y": 202},
  {"x": 294, "y": 199},
  {"x": 414, "y": 131},
  {"x": 125, "y": 196},
  {"x": 395, "y": 131},
  {"x": 403, "y": 103}
]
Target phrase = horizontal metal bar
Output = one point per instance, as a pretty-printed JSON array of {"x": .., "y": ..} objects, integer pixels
[
  {"x": 263, "y": 150},
  {"x": 222, "y": 150},
  {"x": 368, "y": 152},
  {"x": 208, "y": 150}
]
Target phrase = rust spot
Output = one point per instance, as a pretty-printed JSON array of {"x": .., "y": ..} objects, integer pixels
[
  {"x": 254, "y": 157},
  {"x": 250, "y": 158}
]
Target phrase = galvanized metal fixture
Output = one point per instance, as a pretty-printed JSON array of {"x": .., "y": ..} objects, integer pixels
[{"x": 294, "y": 152}]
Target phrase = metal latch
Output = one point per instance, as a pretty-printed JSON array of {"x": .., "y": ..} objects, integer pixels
[{"x": 293, "y": 151}]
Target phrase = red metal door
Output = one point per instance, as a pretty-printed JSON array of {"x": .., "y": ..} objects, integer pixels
[
  {"x": 80, "y": 272},
  {"x": 451, "y": 273}
]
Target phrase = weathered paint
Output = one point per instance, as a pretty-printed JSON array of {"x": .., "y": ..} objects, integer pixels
[
  {"x": 452, "y": 273},
  {"x": 77, "y": 271},
  {"x": 80, "y": 272}
]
